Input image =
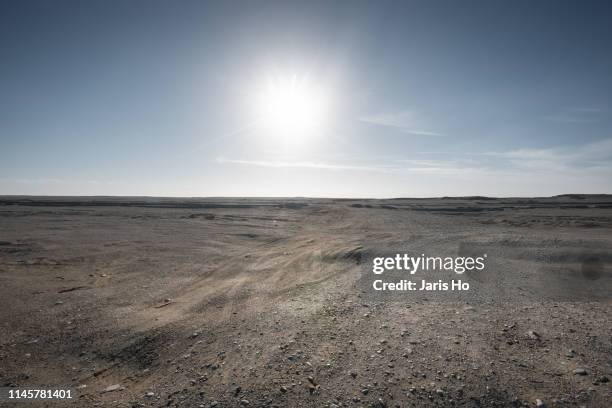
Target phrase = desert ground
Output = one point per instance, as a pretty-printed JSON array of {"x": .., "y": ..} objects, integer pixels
[{"x": 226, "y": 302}]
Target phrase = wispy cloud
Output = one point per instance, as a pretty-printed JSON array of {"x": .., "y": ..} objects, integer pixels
[
  {"x": 585, "y": 114},
  {"x": 304, "y": 164},
  {"x": 50, "y": 181},
  {"x": 405, "y": 121},
  {"x": 397, "y": 166},
  {"x": 591, "y": 158}
]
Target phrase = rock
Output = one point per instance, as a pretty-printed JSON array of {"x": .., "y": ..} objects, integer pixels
[
  {"x": 533, "y": 335},
  {"x": 237, "y": 391},
  {"x": 365, "y": 391},
  {"x": 114, "y": 387},
  {"x": 603, "y": 379},
  {"x": 149, "y": 394},
  {"x": 244, "y": 402},
  {"x": 580, "y": 371},
  {"x": 539, "y": 403},
  {"x": 213, "y": 404},
  {"x": 353, "y": 374},
  {"x": 283, "y": 388},
  {"x": 381, "y": 403}
]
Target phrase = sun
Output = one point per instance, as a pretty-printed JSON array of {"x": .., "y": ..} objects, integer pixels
[{"x": 291, "y": 108}]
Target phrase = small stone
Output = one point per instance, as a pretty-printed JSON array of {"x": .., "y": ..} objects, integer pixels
[
  {"x": 533, "y": 335},
  {"x": 244, "y": 402},
  {"x": 365, "y": 391},
  {"x": 114, "y": 387},
  {"x": 283, "y": 388},
  {"x": 603, "y": 379},
  {"x": 580, "y": 371},
  {"x": 149, "y": 394},
  {"x": 540, "y": 403}
]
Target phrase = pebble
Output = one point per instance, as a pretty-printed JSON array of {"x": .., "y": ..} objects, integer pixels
[
  {"x": 114, "y": 387},
  {"x": 149, "y": 394},
  {"x": 533, "y": 335},
  {"x": 540, "y": 403},
  {"x": 244, "y": 402},
  {"x": 580, "y": 371}
]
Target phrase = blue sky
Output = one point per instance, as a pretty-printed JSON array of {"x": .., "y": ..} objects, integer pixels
[{"x": 420, "y": 98}]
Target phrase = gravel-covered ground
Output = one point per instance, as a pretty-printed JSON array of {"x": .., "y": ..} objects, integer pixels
[{"x": 267, "y": 302}]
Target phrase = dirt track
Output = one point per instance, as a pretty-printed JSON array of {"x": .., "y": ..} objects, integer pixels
[{"x": 262, "y": 302}]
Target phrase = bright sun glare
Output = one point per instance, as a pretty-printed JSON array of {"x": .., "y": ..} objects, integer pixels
[{"x": 291, "y": 108}]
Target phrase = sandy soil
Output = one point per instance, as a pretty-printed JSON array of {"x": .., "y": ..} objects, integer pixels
[{"x": 261, "y": 302}]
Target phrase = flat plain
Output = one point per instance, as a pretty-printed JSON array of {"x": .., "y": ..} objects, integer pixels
[{"x": 225, "y": 302}]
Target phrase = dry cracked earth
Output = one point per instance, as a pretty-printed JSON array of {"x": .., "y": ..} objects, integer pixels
[{"x": 142, "y": 302}]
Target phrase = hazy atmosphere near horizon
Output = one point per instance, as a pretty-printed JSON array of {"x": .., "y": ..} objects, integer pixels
[{"x": 320, "y": 99}]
